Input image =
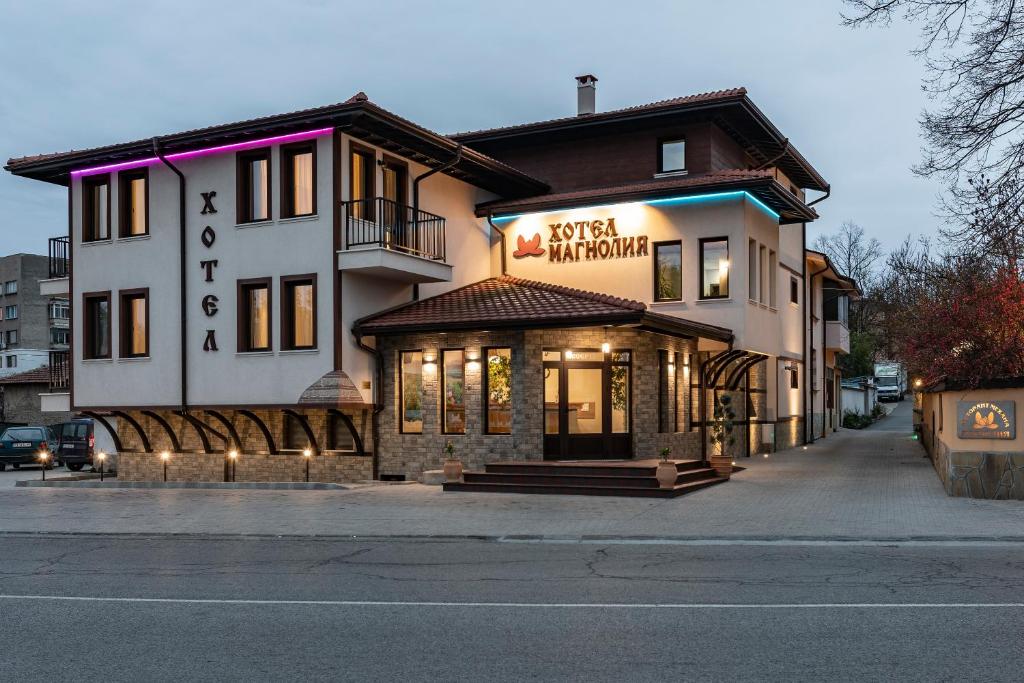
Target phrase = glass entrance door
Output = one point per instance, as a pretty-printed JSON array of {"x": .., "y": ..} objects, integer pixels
[{"x": 587, "y": 397}]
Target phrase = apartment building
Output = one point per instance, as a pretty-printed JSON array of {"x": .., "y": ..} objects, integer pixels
[
  {"x": 339, "y": 290},
  {"x": 31, "y": 324}
]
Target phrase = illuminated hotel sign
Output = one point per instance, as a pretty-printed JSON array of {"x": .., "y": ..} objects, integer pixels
[
  {"x": 573, "y": 241},
  {"x": 986, "y": 420}
]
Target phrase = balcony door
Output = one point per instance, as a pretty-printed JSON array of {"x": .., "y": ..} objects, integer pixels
[
  {"x": 393, "y": 190},
  {"x": 587, "y": 398}
]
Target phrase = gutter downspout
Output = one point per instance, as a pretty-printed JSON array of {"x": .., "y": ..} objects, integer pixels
[
  {"x": 828, "y": 193},
  {"x": 378, "y": 404},
  {"x": 416, "y": 199},
  {"x": 183, "y": 256},
  {"x": 809, "y": 416},
  {"x": 501, "y": 234}
]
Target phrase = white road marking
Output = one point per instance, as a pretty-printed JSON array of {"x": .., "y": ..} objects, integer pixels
[{"x": 526, "y": 605}]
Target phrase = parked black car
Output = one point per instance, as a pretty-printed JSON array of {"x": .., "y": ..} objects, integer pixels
[
  {"x": 23, "y": 445},
  {"x": 77, "y": 443}
]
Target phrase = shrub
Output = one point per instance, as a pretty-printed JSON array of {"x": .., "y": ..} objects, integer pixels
[{"x": 852, "y": 420}]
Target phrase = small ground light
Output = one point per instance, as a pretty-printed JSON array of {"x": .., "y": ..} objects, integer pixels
[
  {"x": 766, "y": 455},
  {"x": 306, "y": 454},
  {"x": 101, "y": 456},
  {"x": 233, "y": 456},
  {"x": 43, "y": 457},
  {"x": 165, "y": 456}
]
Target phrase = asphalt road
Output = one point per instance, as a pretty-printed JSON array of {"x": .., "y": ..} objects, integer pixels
[{"x": 164, "y": 608}]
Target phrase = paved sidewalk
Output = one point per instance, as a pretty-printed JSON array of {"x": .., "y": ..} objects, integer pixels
[{"x": 867, "y": 484}]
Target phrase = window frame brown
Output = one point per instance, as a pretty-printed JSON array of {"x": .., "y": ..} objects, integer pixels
[
  {"x": 243, "y": 329},
  {"x": 794, "y": 290},
  {"x": 287, "y": 154},
  {"x": 700, "y": 266},
  {"x": 662, "y": 141},
  {"x": 401, "y": 169},
  {"x": 88, "y": 229},
  {"x": 401, "y": 391},
  {"x": 124, "y": 199},
  {"x": 485, "y": 383},
  {"x": 369, "y": 179},
  {"x": 794, "y": 377},
  {"x": 124, "y": 296},
  {"x": 243, "y": 200},
  {"x": 288, "y": 311},
  {"x": 654, "y": 257},
  {"x": 87, "y": 325}
]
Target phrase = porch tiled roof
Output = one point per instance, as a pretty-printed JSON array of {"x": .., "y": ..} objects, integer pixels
[
  {"x": 510, "y": 302},
  {"x": 40, "y": 375}
]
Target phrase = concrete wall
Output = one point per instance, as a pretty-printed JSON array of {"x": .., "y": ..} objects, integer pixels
[{"x": 22, "y": 404}]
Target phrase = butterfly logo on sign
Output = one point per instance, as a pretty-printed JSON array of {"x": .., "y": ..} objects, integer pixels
[
  {"x": 987, "y": 422},
  {"x": 529, "y": 247}
]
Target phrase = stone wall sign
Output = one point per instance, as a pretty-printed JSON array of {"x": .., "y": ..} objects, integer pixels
[{"x": 986, "y": 420}]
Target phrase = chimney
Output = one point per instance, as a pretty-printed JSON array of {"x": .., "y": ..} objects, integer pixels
[{"x": 586, "y": 94}]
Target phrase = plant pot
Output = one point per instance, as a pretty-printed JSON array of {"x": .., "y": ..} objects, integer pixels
[
  {"x": 453, "y": 469},
  {"x": 666, "y": 474},
  {"x": 722, "y": 465}
]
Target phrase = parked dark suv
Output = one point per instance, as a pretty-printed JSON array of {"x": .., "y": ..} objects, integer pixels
[
  {"x": 77, "y": 443},
  {"x": 22, "y": 446}
]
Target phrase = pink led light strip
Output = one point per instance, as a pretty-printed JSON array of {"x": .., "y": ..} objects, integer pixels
[{"x": 178, "y": 156}]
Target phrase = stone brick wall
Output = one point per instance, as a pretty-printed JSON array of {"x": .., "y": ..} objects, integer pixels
[
  {"x": 789, "y": 433},
  {"x": 411, "y": 454}
]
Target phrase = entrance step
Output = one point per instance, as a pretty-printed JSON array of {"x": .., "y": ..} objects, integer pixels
[{"x": 593, "y": 478}]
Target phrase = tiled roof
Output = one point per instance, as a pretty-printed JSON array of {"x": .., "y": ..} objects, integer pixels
[
  {"x": 699, "y": 98},
  {"x": 512, "y": 302},
  {"x": 40, "y": 375}
]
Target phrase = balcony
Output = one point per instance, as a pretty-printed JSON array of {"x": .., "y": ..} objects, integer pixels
[
  {"x": 837, "y": 336},
  {"x": 60, "y": 268},
  {"x": 58, "y": 397},
  {"x": 392, "y": 240}
]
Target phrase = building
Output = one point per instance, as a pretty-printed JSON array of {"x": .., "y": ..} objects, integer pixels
[
  {"x": 31, "y": 323},
  {"x": 343, "y": 289},
  {"x": 20, "y": 399}
]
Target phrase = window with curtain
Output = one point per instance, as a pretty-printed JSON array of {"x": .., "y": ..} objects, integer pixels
[
  {"x": 498, "y": 391},
  {"x": 133, "y": 209},
  {"x": 752, "y": 270},
  {"x": 668, "y": 271},
  {"x": 361, "y": 174},
  {"x": 254, "y": 315},
  {"x": 298, "y": 295},
  {"x": 134, "y": 323},
  {"x": 411, "y": 392},
  {"x": 714, "y": 269},
  {"x": 666, "y": 404},
  {"x": 254, "y": 186},
  {"x": 95, "y": 208},
  {"x": 298, "y": 179},
  {"x": 454, "y": 391},
  {"x": 96, "y": 328}
]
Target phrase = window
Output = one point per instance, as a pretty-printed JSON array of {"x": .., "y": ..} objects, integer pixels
[
  {"x": 12, "y": 361},
  {"x": 96, "y": 328},
  {"x": 298, "y": 312},
  {"x": 96, "y": 208},
  {"x": 714, "y": 270},
  {"x": 253, "y": 179},
  {"x": 668, "y": 271},
  {"x": 134, "y": 341},
  {"x": 60, "y": 310},
  {"x": 339, "y": 434},
  {"x": 11, "y": 287},
  {"x": 453, "y": 390},
  {"x": 763, "y": 294},
  {"x": 666, "y": 404},
  {"x": 679, "y": 386},
  {"x": 794, "y": 376},
  {"x": 295, "y": 438},
  {"x": 11, "y": 312},
  {"x": 794, "y": 290},
  {"x": 498, "y": 391},
  {"x": 411, "y": 392},
  {"x": 133, "y": 191},
  {"x": 393, "y": 174},
  {"x": 254, "y": 315},
  {"x": 60, "y": 337},
  {"x": 298, "y": 180},
  {"x": 11, "y": 337},
  {"x": 752, "y": 270},
  {"x": 773, "y": 267},
  {"x": 671, "y": 155},
  {"x": 361, "y": 176}
]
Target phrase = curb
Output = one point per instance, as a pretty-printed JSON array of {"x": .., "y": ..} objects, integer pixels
[{"x": 249, "y": 485}]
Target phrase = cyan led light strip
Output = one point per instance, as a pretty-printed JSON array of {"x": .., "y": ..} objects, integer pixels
[{"x": 684, "y": 199}]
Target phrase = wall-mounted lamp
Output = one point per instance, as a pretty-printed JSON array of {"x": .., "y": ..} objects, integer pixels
[{"x": 606, "y": 348}]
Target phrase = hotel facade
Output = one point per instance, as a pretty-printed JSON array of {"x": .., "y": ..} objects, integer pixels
[{"x": 342, "y": 292}]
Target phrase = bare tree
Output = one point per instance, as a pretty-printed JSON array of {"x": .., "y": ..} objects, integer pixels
[
  {"x": 973, "y": 51},
  {"x": 853, "y": 252}
]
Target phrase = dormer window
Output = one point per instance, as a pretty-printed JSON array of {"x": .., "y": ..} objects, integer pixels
[{"x": 672, "y": 155}]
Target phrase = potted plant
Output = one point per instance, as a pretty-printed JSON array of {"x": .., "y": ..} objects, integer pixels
[
  {"x": 666, "y": 472},
  {"x": 721, "y": 435},
  {"x": 452, "y": 465}
]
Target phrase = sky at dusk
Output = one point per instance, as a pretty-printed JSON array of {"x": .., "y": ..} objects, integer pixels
[{"x": 78, "y": 75}]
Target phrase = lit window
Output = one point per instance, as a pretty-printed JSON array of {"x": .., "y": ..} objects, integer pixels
[
  {"x": 668, "y": 271},
  {"x": 134, "y": 323},
  {"x": 714, "y": 271},
  {"x": 95, "y": 208},
  {"x": 298, "y": 321},
  {"x": 133, "y": 193},
  {"x": 96, "y": 329},
  {"x": 254, "y": 186},
  {"x": 454, "y": 391},
  {"x": 298, "y": 179},
  {"x": 752, "y": 270},
  {"x": 361, "y": 190},
  {"x": 666, "y": 394},
  {"x": 254, "y": 315},
  {"x": 411, "y": 390},
  {"x": 498, "y": 391},
  {"x": 672, "y": 156}
]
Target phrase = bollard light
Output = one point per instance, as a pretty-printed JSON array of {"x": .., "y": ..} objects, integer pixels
[
  {"x": 165, "y": 456},
  {"x": 306, "y": 453},
  {"x": 101, "y": 456},
  {"x": 43, "y": 457}
]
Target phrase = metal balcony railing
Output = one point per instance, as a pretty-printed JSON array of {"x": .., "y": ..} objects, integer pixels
[
  {"x": 387, "y": 224},
  {"x": 60, "y": 257},
  {"x": 60, "y": 371}
]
